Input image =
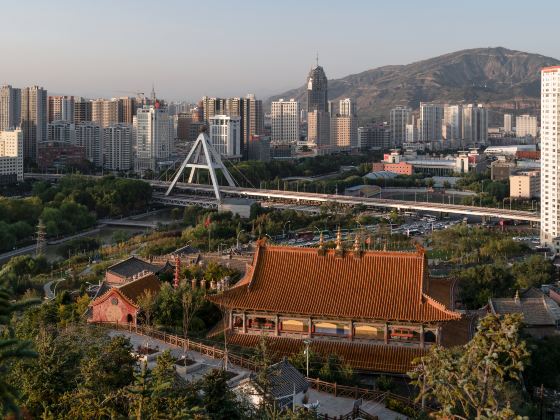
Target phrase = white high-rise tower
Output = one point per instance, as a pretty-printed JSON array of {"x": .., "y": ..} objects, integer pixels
[{"x": 550, "y": 157}]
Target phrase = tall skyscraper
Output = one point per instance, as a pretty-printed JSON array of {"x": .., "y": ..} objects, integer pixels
[
  {"x": 225, "y": 135},
  {"x": 431, "y": 117},
  {"x": 284, "y": 121},
  {"x": 126, "y": 109},
  {"x": 475, "y": 124},
  {"x": 154, "y": 139},
  {"x": 105, "y": 112},
  {"x": 10, "y": 107},
  {"x": 398, "y": 119},
  {"x": 526, "y": 125},
  {"x": 61, "y": 108},
  {"x": 252, "y": 120},
  {"x": 508, "y": 123},
  {"x": 212, "y": 106},
  {"x": 117, "y": 147},
  {"x": 82, "y": 110},
  {"x": 550, "y": 157},
  {"x": 317, "y": 90},
  {"x": 452, "y": 123},
  {"x": 88, "y": 136},
  {"x": 33, "y": 119}
]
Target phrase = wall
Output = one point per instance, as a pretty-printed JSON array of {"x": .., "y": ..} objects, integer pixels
[{"x": 114, "y": 309}]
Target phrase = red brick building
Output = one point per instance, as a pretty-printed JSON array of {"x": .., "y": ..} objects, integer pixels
[
  {"x": 120, "y": 303},
  {"x": 377, "y": 310}
]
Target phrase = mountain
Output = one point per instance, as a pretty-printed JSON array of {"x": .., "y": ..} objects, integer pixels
[{"x": 501, "y": 78}]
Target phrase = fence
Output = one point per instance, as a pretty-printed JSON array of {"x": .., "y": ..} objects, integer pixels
[{"x": 214, "y": 352}]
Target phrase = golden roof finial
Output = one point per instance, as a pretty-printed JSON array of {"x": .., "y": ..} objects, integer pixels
[
  {"x": 321, "y": 240},
  {"x": 339, "y": 240},
  {"x": 357, "y": 242}
]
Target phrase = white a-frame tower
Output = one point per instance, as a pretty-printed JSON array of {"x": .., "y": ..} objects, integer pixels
[{"x": 203, "y": 156}]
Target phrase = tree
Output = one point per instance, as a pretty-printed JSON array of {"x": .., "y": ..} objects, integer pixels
[
  {"x": 147, "y": 303},
  {"x": 533, "y": 272},
  {"x": 219, "y": 401},
  {"x": 479, "y": 283},
  {"x": 472, "y": 381},
  {"x": 11, "y": 349},
  {"x": 191, "y": 302}
]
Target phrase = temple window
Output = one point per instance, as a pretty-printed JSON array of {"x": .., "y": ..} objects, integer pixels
[
  {"x": 403, "y": 334},
  {"x": 369, "y": 332},
  {"x": 261, "y": 323},
  {"x": 331, "y": 328},
  {"x": 237, "y": 321},
  {"x": 294, "y": 325}
]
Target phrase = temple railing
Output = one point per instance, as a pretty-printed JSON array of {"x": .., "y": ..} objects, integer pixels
[{"x": 214, "y": 352}]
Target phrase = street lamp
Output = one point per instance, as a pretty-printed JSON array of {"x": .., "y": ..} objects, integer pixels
[
  {"x": 284, "y": 228},
  {"x": 307, "y": 343}
]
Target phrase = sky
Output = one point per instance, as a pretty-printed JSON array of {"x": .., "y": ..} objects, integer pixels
[{"x": 187, "y": 49}]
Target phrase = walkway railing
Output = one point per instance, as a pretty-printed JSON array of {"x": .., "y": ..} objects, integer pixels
[{"x": 214, "y": 352}]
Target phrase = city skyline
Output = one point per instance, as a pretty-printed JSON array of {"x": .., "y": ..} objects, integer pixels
[{"x": 181, "y": 48}]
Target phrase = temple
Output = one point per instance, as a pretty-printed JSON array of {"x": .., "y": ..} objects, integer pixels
[{"x": 377, "y": 310}]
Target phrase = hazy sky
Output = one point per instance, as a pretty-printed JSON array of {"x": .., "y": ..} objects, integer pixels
[{"x": 229, "y": 48}]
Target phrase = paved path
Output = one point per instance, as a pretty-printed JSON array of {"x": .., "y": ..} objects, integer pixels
[{"x": 328, "y": 403}]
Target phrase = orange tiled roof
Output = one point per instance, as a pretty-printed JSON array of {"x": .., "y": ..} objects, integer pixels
[
  {"x": 133, "y": 289},
  {"x": 362, "y": 356},
  {"x": 378, "y": 285}
]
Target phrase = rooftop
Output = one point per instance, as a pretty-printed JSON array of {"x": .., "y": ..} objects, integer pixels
[
  {"x": 536, "y": 311},
  {"x": 372, "y": 285},
  {"x": 132, "y": 266}
]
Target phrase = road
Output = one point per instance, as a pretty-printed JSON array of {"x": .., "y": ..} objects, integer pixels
[{"x": 49, "y": 293}]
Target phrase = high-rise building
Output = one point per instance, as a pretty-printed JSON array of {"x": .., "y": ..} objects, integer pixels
[
  {"x": 374, "y": 137},
  {"x": 82, "y": 110},
  {"x": 10, "y": 107},
  {"x": 411, "y": 133},
  {"x": 88, "y": 136},
  {"x": 550, "y": 156},
  {"x": 60, "y": 108},
  {"x": 225, "y": 135},
  {"x": 117, "y": 147},
  {"x": 11, "y": 156},
  {"x": 259, "y": 148},
  {"x": 317, "y": 90},
  {"x": 452, "y": 123},
  {"x": 197, "y": 113},
  {"x": 475, "y": 124},
  {"x": 126, "y": 109},
  {"x": 526, "y": 125},
  {"x": 431, "y": 117},
  {"x": 344, "y": 126},
  {"x": 62, "y": 131},
  {"x": 212, "y": 106},
  {"x": 105, "y": 112},
  {"x": 154, "y": 140},
  {"x": 398, "y": 119},
  {"x": 183, "y": 126},
  {"x": 319, "y": 129},
  {"x": 285, "y": 121},
  {"x": 33, "y": 119},
  {"x": 252, "y": 120},
  {"x": 508, "y": 123}
]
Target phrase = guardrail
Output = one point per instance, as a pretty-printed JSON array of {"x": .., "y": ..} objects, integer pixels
[{"x": 214, "y": 352}]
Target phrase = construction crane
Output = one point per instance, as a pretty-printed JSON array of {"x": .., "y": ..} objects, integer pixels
[{"x": 139, "y": 95}]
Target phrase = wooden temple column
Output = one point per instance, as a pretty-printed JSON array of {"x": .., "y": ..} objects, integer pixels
[
  {"x": 351, "y": 330},
  {"x": 244, "y": 323},
  {"x": 438, "y": 336},
  {"x": 277, "y": 326},
  {"x": 310, "y": 327},
  {"x": 386, "y": 333},
  {"x": 421, "y": 331},
  {"x": 230, "y": 321}
]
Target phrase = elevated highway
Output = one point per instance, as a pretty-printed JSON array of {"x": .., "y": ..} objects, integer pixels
[{"x": 196, "y": 194}]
